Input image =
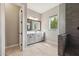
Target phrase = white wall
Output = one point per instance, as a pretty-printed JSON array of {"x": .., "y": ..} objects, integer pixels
[
  {"x": 62, "y": 20},
  {"x": 2, "y": 29},
  {"x": 51, "y": 35},
  {"x": 33, "y": 14},
  {"x": 11, "y": 24}
]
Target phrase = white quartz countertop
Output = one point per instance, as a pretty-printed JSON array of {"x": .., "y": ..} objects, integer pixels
[{"x": 31, "y": 32}]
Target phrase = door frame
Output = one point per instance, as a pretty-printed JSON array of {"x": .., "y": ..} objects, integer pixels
[
  {"x": 2, "y": 26},
  {"x": 22, "y": 5},
  {"x": 20, "y": 29}
]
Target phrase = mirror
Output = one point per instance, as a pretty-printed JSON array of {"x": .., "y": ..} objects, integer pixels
[
  {"x": 28, "y": 25},
  {"x": 33, "y": 25}
]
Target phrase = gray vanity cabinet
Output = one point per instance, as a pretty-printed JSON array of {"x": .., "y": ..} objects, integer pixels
[
  {"x": 38, "y": 37},
  {"x": 30, "y": 38},
  {"x": 34, "y": 37}
]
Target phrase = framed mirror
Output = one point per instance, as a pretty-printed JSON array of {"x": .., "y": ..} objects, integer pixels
[
  {"x": 33, "y": 25},
  {"x": 28, "y": 25}
]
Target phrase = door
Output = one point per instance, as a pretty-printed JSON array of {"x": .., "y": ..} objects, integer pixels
[{"x": 21, "y": 28}]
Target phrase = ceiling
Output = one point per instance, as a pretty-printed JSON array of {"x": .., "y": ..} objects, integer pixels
[{"x": 41, "y": 7}]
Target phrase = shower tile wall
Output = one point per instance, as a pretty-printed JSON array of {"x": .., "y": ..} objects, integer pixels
[{"x": 72, "y": 23}]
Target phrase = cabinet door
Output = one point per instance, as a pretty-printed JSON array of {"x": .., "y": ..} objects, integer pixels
[
  {"x": 38, "y": 37},
  {"x": 32, "y": 38},
  {"x": 42, "y": 36},
  {"x": 28, "y": 39}
]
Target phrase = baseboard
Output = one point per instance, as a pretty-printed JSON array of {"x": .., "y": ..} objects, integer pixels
[{"x": 12, "y": 46}]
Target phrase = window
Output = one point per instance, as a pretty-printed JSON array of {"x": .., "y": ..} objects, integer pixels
[{"x": 53, "y": 22}]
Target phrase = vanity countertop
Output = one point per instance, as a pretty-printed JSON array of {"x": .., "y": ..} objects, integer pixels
[{"x": 31, "y": 32}]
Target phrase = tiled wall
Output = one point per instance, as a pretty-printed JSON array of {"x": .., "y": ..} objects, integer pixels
[{"x": 72, "y": 22}]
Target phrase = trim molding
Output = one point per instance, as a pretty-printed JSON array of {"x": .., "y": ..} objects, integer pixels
[{"x": 12, "y": 46}]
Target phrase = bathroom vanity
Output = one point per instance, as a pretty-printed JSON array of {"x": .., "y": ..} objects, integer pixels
[
  {"x": 34, "y": 33},
  {"x": 34, "y": 37}
]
